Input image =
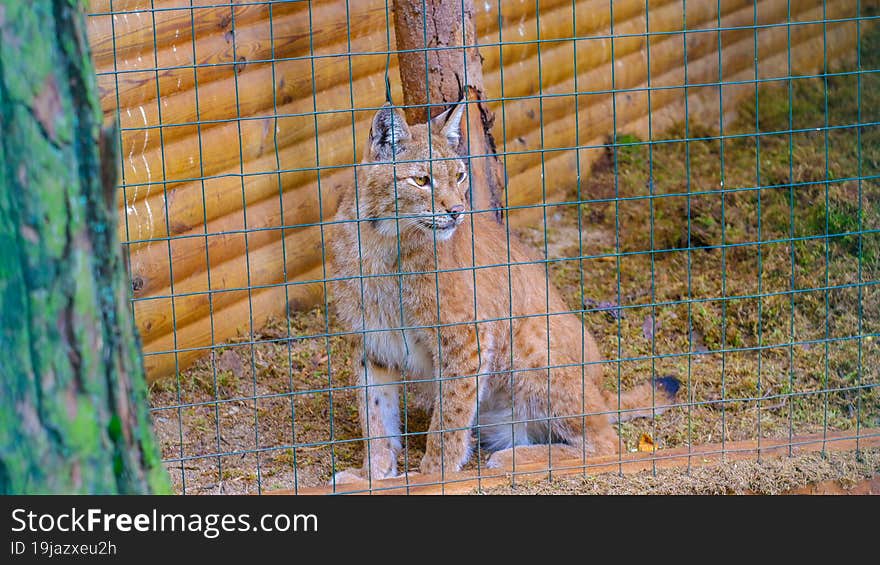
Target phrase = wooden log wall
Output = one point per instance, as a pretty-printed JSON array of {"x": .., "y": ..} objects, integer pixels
[{"x": 240, "y": 123}]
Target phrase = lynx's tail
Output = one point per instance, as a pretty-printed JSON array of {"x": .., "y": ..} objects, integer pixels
[{"x": 645, "y": 399}]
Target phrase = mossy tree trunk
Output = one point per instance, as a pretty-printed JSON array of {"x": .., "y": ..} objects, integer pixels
[
  {"x": 435, "y": 64},
  {"x": 73, "y": 410}
]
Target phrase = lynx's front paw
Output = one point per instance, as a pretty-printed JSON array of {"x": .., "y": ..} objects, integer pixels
[
  {"x": 360, "y": 476},
  {"x": 434, "y": 465},
  {"x": 348, "y": 476},
  {"x": 450, "y": 455},
  {"x": 430, "y": 464}
]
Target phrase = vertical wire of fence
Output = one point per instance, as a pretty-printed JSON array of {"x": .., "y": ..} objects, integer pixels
[{"x": 697, "y": 179}]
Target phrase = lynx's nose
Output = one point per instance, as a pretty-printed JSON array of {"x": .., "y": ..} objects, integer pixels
[{"x": 455, "y": 211}]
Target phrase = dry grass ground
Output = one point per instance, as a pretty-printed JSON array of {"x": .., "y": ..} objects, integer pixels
[
  {"x": 772, "y": 476},
  {"x": 757, "y": 297}
]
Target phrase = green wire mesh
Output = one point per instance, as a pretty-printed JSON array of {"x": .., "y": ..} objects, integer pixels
[{"x": 740, "y": 253}]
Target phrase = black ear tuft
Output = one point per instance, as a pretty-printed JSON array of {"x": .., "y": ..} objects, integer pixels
[
  {"x": 388, "y": 132},
  {"x": 670, "y": 385},
  {"x": 448, "y": 124}
]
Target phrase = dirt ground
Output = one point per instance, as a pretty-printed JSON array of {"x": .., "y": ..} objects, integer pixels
[{"x": 670, "y": 281}]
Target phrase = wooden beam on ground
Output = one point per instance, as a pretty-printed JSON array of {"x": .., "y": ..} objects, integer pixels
[{"x": 467, "y": 481}]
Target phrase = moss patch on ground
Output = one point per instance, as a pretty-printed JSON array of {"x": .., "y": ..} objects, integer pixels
[{"x": 744, "y": 264}]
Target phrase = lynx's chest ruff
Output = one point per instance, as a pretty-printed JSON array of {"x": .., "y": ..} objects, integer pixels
[{"x": 382, "y": 315}]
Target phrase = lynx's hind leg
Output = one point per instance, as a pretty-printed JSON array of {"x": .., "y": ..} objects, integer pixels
[{"x": 580, "y": 413}]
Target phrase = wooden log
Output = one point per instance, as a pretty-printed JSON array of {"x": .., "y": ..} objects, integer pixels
[
  {"x": 596, "y": 111},
  {"x": 812, "y": 50},
  {"x": 294, "y": 144},
  {"x": 251, "y": 89},
  {"x": 175, "y": 351},
  {"x": 629, "y": 463},
  {"x": 594, "y": 72},
  {"x": 214, "y": 25},
  {"x": 156, "y": 73},
  {"x": 281, "y": 89},
  {"x": 666, "y": 55},
  {"x": 191, "y": 203},
  {"x": 703, "y": 108},
  {"x": 585, "y": 19},
  {"x": 178, "y": 160},
  {"x": 186, "y": 205},
  {"x": 195, "y": 297},
  {"x": 219, "y": 100},
  {"x": 220, "y": 240},
  {"x": 250, "y": 140},
  {"x": 168, "y": 22}
]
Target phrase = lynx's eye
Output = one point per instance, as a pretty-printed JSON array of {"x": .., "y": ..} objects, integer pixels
[
  {"x": 461, "y": 177},
  {"x": 421, "y": 181}
]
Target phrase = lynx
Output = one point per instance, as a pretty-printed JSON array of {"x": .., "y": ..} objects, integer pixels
[{"x": 446, "y": 298}]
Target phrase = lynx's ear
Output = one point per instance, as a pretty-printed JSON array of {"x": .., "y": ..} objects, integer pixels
[
  {"x": 388, "y": 132},
  {"x": 448, "y": 124}
]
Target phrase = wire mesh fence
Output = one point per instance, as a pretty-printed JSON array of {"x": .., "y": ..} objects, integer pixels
[{"x": 690, "y": 234}]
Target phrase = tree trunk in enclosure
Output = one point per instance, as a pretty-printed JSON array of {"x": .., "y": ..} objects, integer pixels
[
  {"x": 434, "y": 69},
  {"x": 73, "y": 408}
]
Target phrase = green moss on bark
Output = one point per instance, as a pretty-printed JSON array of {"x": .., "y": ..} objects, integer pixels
[{"x": 73, "y": 413}]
